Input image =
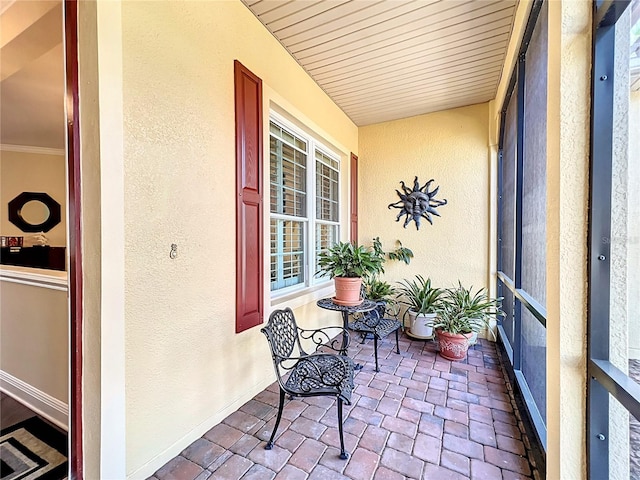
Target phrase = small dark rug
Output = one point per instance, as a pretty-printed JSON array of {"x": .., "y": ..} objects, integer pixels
[{"x": 32, "y": 450}]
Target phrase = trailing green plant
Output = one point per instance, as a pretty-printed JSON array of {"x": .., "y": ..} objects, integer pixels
[
  {"x": 402, "y": 254},
  {"x": 418, "y": 295},
  {"x": 344, "y": 259},
  {"x": 463, "y": 311},
  {"x": 377, "y": 248}
]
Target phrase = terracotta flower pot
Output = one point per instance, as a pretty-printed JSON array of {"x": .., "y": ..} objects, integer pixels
[
  {"x": 453, "y": 346},
  {"x": 348, "y": 291}
]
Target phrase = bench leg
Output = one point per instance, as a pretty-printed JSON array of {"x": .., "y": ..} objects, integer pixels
[
  {"x": 375, "y": 350},
  {"x": 343, "y": 454},
  {"x": 397, "y": 346},
  {"x": 269, "y": 444}
]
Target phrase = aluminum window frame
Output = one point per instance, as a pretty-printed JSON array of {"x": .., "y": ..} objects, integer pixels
[
  {"x": 310, "y": 220},
  {"x": 513, "y": 353},
  {"x": 604, "y": 379}
]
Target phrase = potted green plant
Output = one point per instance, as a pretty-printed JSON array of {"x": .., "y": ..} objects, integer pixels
[
  {"x": 461, "y": 314},
  {"x": 378, "y": 290},
  {"x": 422, "y": 302},
  {"x": 347, "y": 263}
]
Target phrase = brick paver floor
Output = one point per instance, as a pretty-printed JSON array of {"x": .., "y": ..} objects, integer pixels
[{"x": 420, "y": 417}]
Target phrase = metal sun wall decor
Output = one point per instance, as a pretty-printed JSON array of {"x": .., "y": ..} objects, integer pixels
[{"x": 417, "y": 203}]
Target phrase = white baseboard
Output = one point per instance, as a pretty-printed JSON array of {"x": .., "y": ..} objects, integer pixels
[
  {"x": 149, "y": 468},
  {"x": 43, "y": 404}
]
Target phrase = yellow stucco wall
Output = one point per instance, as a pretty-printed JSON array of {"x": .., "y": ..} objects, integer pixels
[
  {"x": 452, "y": 148},
  {"x": 186, "y": 368},
  {"x": 568, "y": 104}
]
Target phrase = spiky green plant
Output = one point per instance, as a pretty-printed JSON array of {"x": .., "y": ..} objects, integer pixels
[
  {"x": 419, "y": 296},
  {"x": 463, "y": 311},
  {"x": 378, "y": 290}
]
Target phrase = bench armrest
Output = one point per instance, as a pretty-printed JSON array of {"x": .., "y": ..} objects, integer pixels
[{"x": 334, "y": 337}]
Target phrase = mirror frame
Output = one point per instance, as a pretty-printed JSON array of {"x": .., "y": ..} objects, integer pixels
[{"x": 15, "y": 212}]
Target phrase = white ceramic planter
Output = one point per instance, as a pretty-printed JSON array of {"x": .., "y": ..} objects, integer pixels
[{"x": 421, "y": 325}]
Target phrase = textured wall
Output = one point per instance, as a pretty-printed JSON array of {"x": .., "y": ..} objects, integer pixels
[
  {"x": 452, "y": 148},
  {"x": 568, "y": 104},
  {"x": 34, "y": 344},
  {"x": 186, "y": 369},
  {"x": 33, "y": 172}
]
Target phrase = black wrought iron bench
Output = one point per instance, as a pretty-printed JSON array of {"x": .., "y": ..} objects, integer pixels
[
  {"x": 301, "y": 374},
  {"x": 377, "y": 323}
]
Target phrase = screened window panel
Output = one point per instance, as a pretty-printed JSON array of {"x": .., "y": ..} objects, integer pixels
[
  {"x": 287, "y": 253},
  {"x": 534, "y": 186},
  {"x": 534, "y": 359},
  {"x": 616, "y": 123},
  {"x": 507, "y": 307},
  {"x": 508, "y": 190}
]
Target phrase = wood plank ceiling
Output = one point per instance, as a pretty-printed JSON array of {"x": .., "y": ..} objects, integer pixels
[{"x": 382, "y": 60}]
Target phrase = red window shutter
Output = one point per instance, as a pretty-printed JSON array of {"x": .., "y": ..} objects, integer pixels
[
  {"x": 249, "y": 228},
  {"x": 354, "y": 199}
]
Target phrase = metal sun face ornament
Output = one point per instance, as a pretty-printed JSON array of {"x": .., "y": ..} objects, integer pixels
[{"x": 418, "y": 203}]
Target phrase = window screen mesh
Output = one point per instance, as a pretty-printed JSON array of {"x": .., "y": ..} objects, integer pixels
[
  {"x": 508, "y": 190},
  {"x": 534, "y": 182}
]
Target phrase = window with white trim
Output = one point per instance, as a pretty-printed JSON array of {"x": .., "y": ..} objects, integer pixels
[{"x": 304, "y": 205}]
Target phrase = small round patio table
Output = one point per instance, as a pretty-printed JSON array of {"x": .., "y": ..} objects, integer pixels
[{"x": 346, "y": 310}]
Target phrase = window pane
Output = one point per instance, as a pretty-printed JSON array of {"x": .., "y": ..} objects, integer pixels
[
  {"x": 287, "y": 253},
  {"x": 333, "y": 163},
  {"x": 326, "y": 188},
  {"x": 294, "y": 228},
  {"x": 288, "y": 173},
  {"x": 508, "y": 190},
  {"x": 534, "y": 359},
  {"x": 326, "y": 235},
  {"x": 534, "y": 186}
]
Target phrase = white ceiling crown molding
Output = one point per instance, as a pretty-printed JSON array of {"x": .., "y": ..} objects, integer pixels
[{"x": 30, "y": 149}]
